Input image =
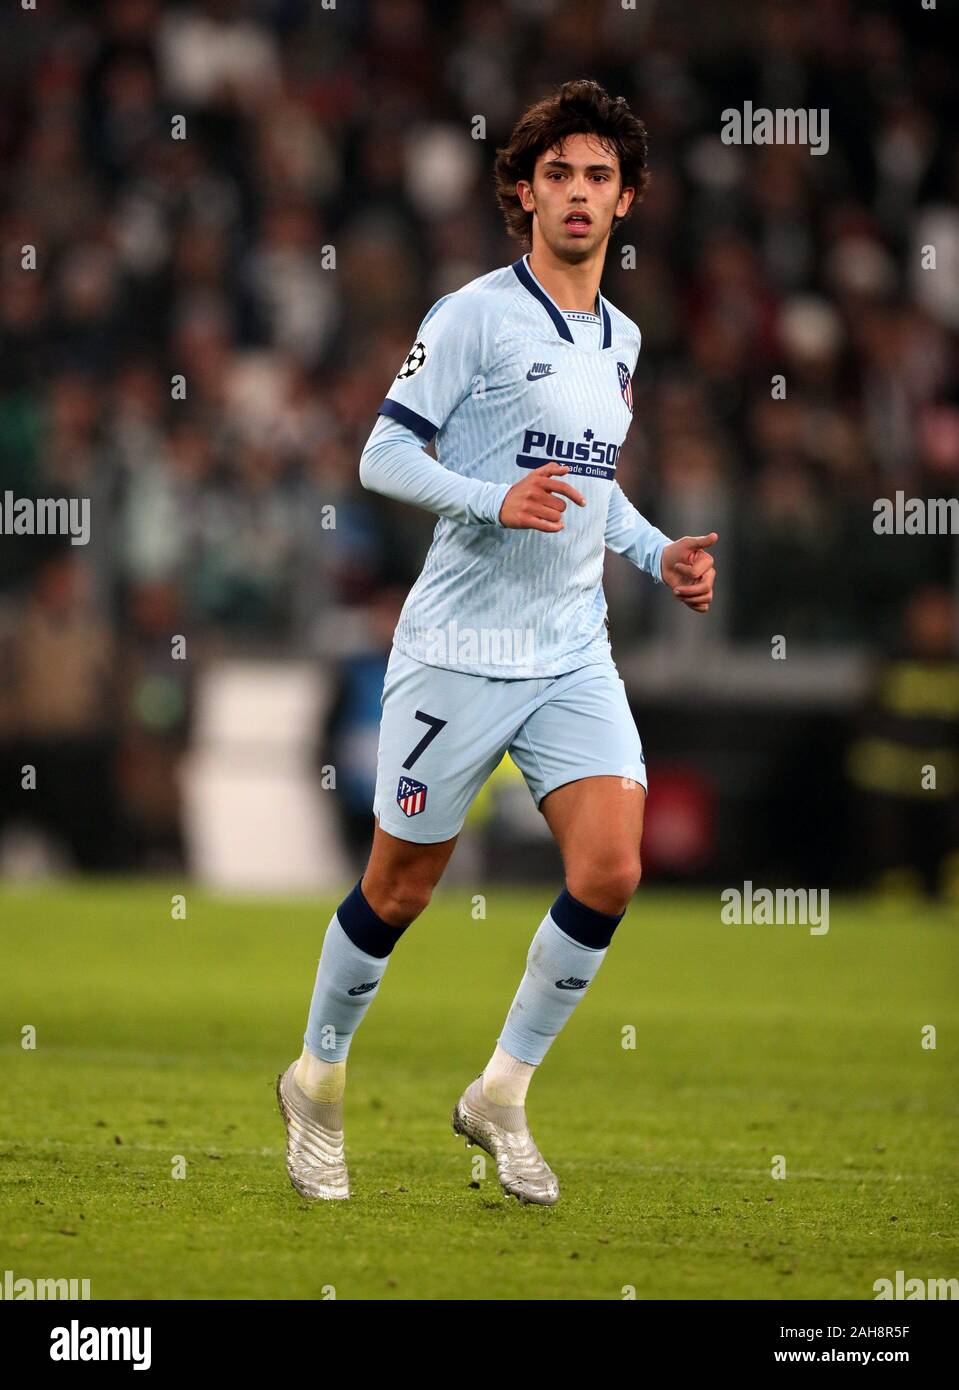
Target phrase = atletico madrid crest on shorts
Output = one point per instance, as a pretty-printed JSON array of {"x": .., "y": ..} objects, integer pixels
[
  {"x": 625, "y": 384},
  {"x": 411, "y": 796}
]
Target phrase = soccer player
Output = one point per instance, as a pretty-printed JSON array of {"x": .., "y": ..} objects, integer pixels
[{"x": 523, "y": 378}]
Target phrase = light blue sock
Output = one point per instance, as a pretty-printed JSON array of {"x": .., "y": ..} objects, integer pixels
[
  {"x": 564, "y": 955},
  {"x": 356, "y": 951}
]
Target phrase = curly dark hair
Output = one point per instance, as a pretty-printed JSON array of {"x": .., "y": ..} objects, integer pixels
[{"x": 580, "y": 107}]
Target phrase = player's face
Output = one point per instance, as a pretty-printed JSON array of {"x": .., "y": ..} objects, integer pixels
[{"x": 574, "y": 196}]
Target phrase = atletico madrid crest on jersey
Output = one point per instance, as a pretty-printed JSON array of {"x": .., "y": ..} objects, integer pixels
[
  {"x": 411, "y": 796},
  {"x": 625, "y": 384}
]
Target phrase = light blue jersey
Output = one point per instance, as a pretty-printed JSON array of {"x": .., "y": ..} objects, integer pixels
[{"x": 506, "y": 381}]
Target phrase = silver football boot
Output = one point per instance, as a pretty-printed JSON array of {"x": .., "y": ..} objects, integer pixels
[
  {"x": 314, "y": 1141},
  {"x": 502, "y": 1131}
]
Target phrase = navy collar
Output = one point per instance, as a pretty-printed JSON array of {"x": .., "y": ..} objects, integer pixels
[{"x": 529, "y": 282}]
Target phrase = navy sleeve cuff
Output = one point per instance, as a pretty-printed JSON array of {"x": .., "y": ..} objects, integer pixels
[{"x": 417, "y": 423}]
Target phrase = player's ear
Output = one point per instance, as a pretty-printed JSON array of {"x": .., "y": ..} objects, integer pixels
[
  {"x": 524, "y": 192},
  {"x": 626, "y": 196}
]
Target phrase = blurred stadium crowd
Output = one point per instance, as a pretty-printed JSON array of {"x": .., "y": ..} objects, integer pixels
[{"x": 328, "y": 190}]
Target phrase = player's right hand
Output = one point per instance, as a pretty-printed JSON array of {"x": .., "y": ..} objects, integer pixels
[{"x": 536, "y": 503}]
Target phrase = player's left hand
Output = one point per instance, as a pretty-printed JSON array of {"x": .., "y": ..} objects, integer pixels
[{"x": 690, "y": 571}]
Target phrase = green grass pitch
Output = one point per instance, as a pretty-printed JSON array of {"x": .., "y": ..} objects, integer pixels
[{"x": 157, "y": 1038}]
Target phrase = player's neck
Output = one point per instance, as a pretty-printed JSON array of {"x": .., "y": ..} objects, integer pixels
[{"x": 572, "y": 287}]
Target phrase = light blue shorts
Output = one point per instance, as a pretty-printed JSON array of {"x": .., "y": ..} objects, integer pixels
[{"x": 444, "y": 732}]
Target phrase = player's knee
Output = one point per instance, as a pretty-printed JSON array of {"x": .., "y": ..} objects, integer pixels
[
  {"x": 403, "y": 899},
  {"x": 606, "y": 885}
]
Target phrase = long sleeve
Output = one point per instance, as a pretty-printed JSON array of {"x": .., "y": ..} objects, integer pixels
[
  {"x": 629, "y": 533},
  {"x": 395, "y": 464}
]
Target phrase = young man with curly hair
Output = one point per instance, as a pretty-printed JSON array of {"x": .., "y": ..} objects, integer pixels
[{"x": 523, "y": 378}]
